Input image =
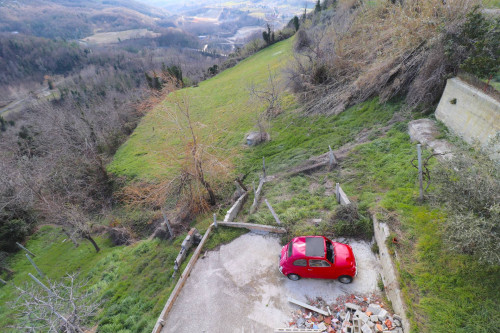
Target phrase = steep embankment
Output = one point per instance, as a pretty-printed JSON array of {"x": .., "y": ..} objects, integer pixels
[
  {"x": 220, "y": 109},
  {"x": 445, "y": 291},
  {"x": 134, "y": 282}
]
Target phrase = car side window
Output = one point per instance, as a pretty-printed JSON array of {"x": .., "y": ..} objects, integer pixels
[
  {"x": 300, "y": 262},
  {"x": 318, "y": 263}
]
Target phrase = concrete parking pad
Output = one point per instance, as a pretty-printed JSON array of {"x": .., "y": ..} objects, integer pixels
[{"x": 238, "y": 288}]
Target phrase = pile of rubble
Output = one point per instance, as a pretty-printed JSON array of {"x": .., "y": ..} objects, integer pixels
[{"x": 349, "y": 314}]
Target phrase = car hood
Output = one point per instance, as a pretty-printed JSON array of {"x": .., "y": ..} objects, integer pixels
[{"x": 343, "y": 255}]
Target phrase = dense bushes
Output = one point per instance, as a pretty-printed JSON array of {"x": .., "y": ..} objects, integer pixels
[
  {"x": 347, "y": 221},
  {"x": 352, "y": 52},
  {"x": 470, "y": 187}
]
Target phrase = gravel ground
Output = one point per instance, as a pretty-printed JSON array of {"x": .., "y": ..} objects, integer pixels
[{"x": 238, "y": 288}]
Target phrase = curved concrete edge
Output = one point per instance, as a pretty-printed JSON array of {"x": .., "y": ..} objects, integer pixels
[
  {"x": 235, "y": 209},
  {"x": 389, "y": 275},
  {"x": 253, "y": 227},
  {"x": 182, "y": 280}
]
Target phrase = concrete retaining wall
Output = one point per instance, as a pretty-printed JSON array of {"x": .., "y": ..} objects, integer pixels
[
  {"x": 257, "y": 196},
  {"x": 253, "y": 227},
  {"x": 182, "y": 280},
  {"x": 235, "y": 209},
  {"x": 469, "y": 112},
  {"x": 341, "y": 196},
  {"x": 389, "y": 276}
]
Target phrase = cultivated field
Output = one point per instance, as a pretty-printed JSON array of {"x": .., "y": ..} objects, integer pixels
[{"x": 117, "y": 36}]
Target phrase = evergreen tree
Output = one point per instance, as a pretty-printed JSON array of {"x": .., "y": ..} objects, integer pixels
[
  {"x": 296, "y": 23},
  {"x": 317, "y": 9}
]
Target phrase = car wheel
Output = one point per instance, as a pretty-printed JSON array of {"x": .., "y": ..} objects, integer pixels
[
  {"x": 293, "y": 277},
  {"x": 345, "y": 279}
]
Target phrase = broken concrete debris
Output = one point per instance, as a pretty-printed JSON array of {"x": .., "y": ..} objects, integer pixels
[
  {"x": 349, "y": 314},
  {"x": 193, "y": 238}
]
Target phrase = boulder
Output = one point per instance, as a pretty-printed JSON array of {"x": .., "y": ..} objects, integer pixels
[
  {"x": 254, "y": 138},
  {"x": 161, "y": 232},
  {"x": 119, "y": 236}
]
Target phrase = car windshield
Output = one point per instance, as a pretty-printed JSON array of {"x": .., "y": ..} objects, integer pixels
[
  {"x": 329, "y": 252},
  {"x": 290, "y": 248}
]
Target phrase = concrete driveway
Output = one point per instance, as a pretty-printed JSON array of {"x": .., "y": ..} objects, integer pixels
[{"x": 238, "y": 288}]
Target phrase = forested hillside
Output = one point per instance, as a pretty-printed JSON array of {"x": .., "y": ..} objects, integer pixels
[{"x": 77, "y": 19}]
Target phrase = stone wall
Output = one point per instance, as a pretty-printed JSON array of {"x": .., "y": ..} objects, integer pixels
[{"x": 469, "y": 112}]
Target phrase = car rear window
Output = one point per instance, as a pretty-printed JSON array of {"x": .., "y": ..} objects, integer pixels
[
  {"x": 318, "y": 263},
  {"x": 300, "y": 262}
]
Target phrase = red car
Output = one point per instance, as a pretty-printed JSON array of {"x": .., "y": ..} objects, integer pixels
[{"x": 317, "y": 257}]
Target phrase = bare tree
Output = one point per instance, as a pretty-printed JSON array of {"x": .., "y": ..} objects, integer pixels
[
  {"x": 62, "y": 306},
  {"x": 197, "y": 151},
  {"x": 270, "y": 96}
]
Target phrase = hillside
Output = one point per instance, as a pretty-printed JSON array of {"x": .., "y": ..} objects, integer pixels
[
  {"x": 74, "y": 20},
  {"x": 220, "y": 105},
  {"x": 444, "y": 291},
  {"x": 157, "y": 171}
]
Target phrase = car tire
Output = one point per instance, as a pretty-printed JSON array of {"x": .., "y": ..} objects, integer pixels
[
  {"x": 294, "y": 277},
  {"x": 346, "y": 279}
]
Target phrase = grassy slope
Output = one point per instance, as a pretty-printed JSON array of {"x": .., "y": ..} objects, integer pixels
[
  {"x": 447, "y": 292},
  {"x": 219, "y": 107},
  {"x": 134, "y": 282}
]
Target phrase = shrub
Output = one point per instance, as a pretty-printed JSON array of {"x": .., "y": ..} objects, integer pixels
[
  {"x": 480, "y": 40},
  {"x": 12, "y": 231},
  {"x": 384, "y": 49},
  {"x": 470, "y": 187},
  {"x": 347, "y": 221},
  {"x": 302, "y": 40},
  {"x": 476, "y": 235}
]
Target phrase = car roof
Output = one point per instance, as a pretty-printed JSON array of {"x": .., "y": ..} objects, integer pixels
[{"x": 309, "y": 246}]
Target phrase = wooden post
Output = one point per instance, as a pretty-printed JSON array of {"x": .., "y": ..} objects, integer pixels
[
  {"x": 420, "y": 176},
  {"x": 41, "y": 284},
  {"x": 331, "y": 157},
  {"x": 165, "y": 219},
  {"x": 264, "y": 166},
  {"x": 34, "y": 265},
  {"x": 337, "y": 192},
  {"x": 215, "y": 220},
  {"x": 25, "y": 249},
  {"x": 272, "y": 211}
]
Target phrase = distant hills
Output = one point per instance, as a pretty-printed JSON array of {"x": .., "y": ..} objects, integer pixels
[{"x": 78, "y": 19}]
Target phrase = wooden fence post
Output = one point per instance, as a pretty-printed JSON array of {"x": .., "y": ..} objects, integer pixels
[
  {"x": 165, "y": 219},
  {"x": 34, "y": 265},
  {"x": 337, "y": 192},
  {"x": 272, "y": 211},
  {"x": 41, "y": 284},
  {"x": 25, "y": 249},
  {"x": 215, "y": 220},
  {"x": 420, "y": 176},
  {"x": 331, "y": 157},
  {"x": 264, "y": 166}
]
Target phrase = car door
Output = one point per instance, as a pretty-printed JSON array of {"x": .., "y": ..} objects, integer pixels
[
  {"x": 320, "y": 269},
  {"x": 299, "y": 266}
]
